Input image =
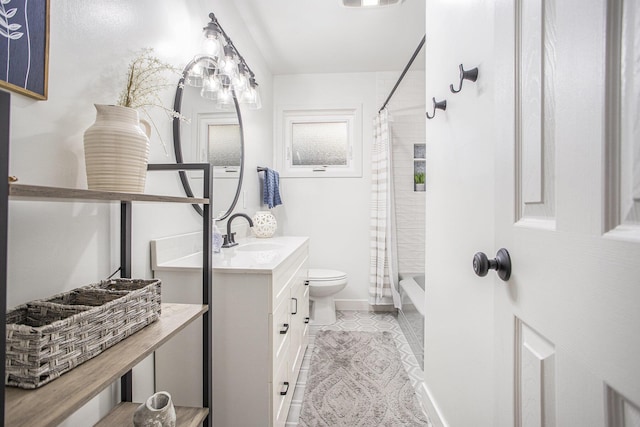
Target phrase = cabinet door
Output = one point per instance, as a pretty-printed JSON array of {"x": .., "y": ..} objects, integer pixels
[
  {"x": 304, "y": 307},
  {"x": 282, "y": 332},
  {"x": 281, "y": 393},
  {"x": 299, "y": 314}
]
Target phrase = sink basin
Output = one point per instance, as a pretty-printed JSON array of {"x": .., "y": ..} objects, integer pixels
[{"x": 259, "y": 246}]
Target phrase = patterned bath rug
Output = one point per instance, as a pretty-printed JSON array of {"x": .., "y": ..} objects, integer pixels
[{"x": 356, "y": 379}]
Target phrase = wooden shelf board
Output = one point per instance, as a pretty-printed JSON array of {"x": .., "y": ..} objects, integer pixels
[
  {"x": 122, "y": 415},
  {"x": 50, "y": 404},
  {"x": 37, "y": 192}
]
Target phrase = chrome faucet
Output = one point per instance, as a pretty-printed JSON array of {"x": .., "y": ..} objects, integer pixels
[{"x": 229, "y": 238}]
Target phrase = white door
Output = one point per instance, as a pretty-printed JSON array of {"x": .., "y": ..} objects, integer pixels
[
  {"x": 563, "y": 189},
  {"x": 568, "y": 210}
]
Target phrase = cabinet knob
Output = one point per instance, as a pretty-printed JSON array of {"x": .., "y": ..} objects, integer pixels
[
  {"x": 285, "y": 330},
  {"x": 296, "y": 310},
  {"x": 306, "y": 320},
  {"x": 286, "y": 390}
]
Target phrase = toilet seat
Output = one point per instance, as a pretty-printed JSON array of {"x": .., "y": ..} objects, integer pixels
[{"x": 322, "y": 275}]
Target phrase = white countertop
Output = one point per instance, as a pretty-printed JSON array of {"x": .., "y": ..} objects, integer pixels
[{"x": 251, "y": 256}]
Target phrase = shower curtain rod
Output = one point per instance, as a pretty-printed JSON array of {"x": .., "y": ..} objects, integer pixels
[{"x": 413, "y": 57}]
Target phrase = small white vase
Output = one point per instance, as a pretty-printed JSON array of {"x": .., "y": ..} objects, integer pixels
[
  {"x": 157, "y": 411},
  {"x": 116, "y": 150},
  {"x": 264, "y": 224}
]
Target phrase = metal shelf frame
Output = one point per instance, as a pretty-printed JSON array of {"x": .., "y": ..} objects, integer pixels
[{"x": 126, "y": 214}]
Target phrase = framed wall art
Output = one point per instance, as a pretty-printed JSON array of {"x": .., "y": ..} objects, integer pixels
[{"x": 24, "y": 46}]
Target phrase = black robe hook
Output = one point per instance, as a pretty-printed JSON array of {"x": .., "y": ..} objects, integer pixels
[
  {"x": 471, "y": 75},
  {"x": 441, "y": 105}
]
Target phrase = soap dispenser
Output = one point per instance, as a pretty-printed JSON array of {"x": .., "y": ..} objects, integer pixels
[{"x": 217, "y": 239}]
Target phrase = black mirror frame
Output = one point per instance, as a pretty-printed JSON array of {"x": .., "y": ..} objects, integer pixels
[{"x": 177, "y": 144}]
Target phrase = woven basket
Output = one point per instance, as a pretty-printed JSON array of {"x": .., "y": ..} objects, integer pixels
[{"x": 46, "y": 338}]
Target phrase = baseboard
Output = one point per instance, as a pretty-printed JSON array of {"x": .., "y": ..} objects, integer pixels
[
  {"x": 437, "y": 420},
  {"x": 361, "y": 305}
]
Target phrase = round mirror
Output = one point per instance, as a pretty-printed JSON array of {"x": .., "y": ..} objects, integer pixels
[{"x": 213, "y": 134}]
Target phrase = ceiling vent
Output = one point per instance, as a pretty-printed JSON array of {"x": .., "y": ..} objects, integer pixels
[{"x": 369, "y": 3}]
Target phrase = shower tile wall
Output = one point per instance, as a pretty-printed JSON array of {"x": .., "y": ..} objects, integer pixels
[{"x": 406, "y": 108}]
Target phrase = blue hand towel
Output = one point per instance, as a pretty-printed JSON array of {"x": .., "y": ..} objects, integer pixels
[{"x": 271, "y": 189}]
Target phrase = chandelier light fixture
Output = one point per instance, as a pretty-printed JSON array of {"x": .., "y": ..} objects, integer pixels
[{"x": 221, "y": 72}]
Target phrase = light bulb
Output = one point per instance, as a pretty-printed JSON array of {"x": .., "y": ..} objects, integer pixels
[
  {"x": 227, "y": 64},
  {"x": 212, "y": 44},
  {"x": 225, "y": 96},
  {"x": 209, "y": 46},
  {"x": 256, "y": 102},
  {"x": 194, "y": 76},
  {"x": 239, "y": 82},
  {"x": 229, "y": 67},
  {"x": 251, "y": 96},
  {"x": 211, "y": 86}
]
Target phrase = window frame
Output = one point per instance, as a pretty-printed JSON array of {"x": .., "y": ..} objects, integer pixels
[
  {"x": 290, "y": 115},
  {"x": 201, "y": 146}
]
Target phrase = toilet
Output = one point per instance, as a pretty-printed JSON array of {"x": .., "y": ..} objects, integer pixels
[{"x": 323, "y": 285}]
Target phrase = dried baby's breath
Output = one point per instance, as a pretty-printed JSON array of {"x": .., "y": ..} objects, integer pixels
[{"x": 147, "y": 78}]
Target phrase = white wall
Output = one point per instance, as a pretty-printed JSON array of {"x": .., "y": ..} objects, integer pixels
[
  {"x": 460, "y": 212},
  {"x": 55, "y": 247},
  {"x": 333, "y": 212}
]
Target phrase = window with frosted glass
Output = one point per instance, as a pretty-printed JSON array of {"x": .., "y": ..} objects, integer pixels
[
  {"x": 224, "y": 144},
  {"x": 319, "y": 144}
]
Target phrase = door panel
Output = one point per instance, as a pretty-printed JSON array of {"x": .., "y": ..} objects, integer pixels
[
  {"x": 535, "y": 128},
  {"x": 574, "y": 288},
  {"x": 621, "y": 412},
  {"x": 535, "y": 378},
  {"x": 623, "y": 161}
]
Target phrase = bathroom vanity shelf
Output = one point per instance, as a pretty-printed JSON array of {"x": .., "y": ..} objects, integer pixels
[
  {"x": 54, "y": 402},
  {"x": 123, "y": 414},
  {"x": 37, "y": 192}
]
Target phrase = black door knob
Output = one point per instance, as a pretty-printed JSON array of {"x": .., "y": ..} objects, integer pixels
[{"x": 501, "y": 263}]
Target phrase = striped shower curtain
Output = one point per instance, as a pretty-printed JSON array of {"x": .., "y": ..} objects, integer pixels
[{"x": 383, "y": 265}]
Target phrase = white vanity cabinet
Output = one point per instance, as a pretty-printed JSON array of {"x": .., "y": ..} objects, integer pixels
[
  {"x": 260, "y": 336},
  {"x": 260, "y": 326}
]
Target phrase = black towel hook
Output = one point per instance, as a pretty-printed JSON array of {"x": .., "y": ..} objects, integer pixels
[
  {"x": 441, "y": 105},
  {"x": 471, "y": 75}
]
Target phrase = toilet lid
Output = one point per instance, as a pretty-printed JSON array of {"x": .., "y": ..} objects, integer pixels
[{"x": 319, "y": 274}]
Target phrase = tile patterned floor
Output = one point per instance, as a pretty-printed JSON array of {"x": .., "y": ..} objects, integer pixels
[{"x": 356, "y": 321}]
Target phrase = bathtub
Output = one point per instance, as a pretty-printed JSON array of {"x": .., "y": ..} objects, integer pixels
[{"x": 411, "y": 316}]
